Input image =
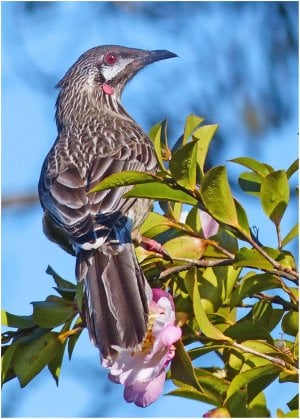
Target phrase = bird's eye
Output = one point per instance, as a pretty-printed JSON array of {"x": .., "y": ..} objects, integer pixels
[{"x": 110, "y": 58}]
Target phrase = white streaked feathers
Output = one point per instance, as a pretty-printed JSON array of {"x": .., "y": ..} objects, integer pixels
[{"x": 109, "y": 72}]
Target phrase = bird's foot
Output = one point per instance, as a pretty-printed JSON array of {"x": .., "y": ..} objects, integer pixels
[{"x": 151, "y": 245}]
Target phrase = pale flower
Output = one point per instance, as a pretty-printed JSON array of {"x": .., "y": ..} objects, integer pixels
[{"x": 143, "y": 370}]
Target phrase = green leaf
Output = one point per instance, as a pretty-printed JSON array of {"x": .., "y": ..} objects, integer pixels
[
  {"x": 154, "y": 224},
  {"x": 275, "y": 194},
  {"x": 7, "y": 357},
  {"x": 60, "y": 282},
  {"x": 257, "y": 407},
  {"x": 252, "y": 284},
  {"x": 294, "y": 402},
  {"x": 246, "y": 257},
  {"x": 54, "y": 365},
  {"x": 20, "y": 322},
  {"x": 292, "y": 234},
  {"x": 242, "y": 218},
  {"x": 261, "y": 169},
  {"x": 244, "y": 330},
  {"x": 270, "y": 372},
  {"x": 183, "y": 165},
  {"x": 31, "y": 358},
  {"x": 158, "y": 135},
  {"x": 72, "y": 342},
  {"x": 191, "y": 124},
  {"x": 79, "y": 295},
  {"x": 186, "y": 246},
  {"x": 212, "y": 384},
  {"x": 292, "y": 414},
  {"x": 250, "y": 182},
  {"x": 204, "y": 134},
  {"x": 49, "y": 314},
  {"x": 160, "y": 191},
  {"x": 293, "y": 168},
  {"x": 206, "y": 327},
  {"x": 290, "y": 323},
  {"x": 182, "y": 371},
  {"x": 191, "y": 393},
  {"x": 217, "y": 197},
  {"x": 197, "y": 352},
  {"x": 125, "y": 178}
]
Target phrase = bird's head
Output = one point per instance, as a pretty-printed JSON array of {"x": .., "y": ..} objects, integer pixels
[{"x": 109, "y": 68}]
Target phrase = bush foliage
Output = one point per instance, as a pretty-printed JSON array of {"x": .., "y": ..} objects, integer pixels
[{"x": 235, "y": 297}]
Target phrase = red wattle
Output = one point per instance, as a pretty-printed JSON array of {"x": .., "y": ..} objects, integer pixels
[{"x": 107, "y": 89}]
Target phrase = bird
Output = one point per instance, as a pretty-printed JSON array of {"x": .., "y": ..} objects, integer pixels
[{"x": 96, "y": 138}]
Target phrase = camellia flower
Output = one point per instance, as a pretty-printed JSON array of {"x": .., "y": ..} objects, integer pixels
[{"x": 142, "y": 370}]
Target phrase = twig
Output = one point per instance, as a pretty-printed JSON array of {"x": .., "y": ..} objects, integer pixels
[
  {"x": 190, "y": 263},
  {"x": 19, "y": 200},
  {"x": 281, "y": 270},
  {"x": 273, "y": 359}
]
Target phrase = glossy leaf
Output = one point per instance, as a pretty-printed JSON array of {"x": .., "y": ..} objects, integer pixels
[
  {"x": 292, "y": 234},
  {"x": 244, "y": 330},
  {"x": 211, "y": 383},
  {"x": 206, "y": 327},
  {"x": 262, "y": 169},
  {"x": 158, "y": 135},
  {"x": 293, "y": 168},
  {"x": 49, "y": 314},
  {"x": 251, "y": 258},
  {"x": 266, "y": 348},
  {"x": 183, "y": 165},
  {"x": 32, "y": 357},
  {"x": 294, "y": 402},
  {"x": 60, "y": 282},
  {"x": 73, "y": 340},
  {"x": 290, "y": 323},
  {"x": 256, "y": 373},
  {"x": 54, "y": 365},
  {"x": 274, "y": 194},
  {"x": 182, "y": 370},
  {"x": 125, "y": 178},
  {"x": 186, "y": 247},
  {"x": 204, "y": 135},
  {"x": 250, "y": 182},
  {"x": 7, "y": 357},
  {"x": 252, "y": 284},
  {"x": 217, "y": 197},
  {"x": 20, "y": 322},
  {"x": 191, "y": 393},
  {"x": 191, "y": 124},
  {"x": 242, "y": 219},
  {"x": 160, "y": 191}
]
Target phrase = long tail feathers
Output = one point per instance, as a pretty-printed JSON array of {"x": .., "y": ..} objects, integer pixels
[{"x": 116, "y": 305}]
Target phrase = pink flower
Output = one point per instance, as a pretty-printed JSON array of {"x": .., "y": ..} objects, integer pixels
[
  {"x": 142, "y": 370},
  {"x": 210, "y": 226}
]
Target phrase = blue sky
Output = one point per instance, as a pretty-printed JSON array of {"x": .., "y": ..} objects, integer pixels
[{"x": 37, "y": 49}]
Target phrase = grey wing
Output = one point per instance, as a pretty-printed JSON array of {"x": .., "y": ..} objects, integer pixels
[{"x": 85, "y": 217}]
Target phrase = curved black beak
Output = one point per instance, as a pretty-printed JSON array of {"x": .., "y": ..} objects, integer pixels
[{"x": 160, "y": 54}]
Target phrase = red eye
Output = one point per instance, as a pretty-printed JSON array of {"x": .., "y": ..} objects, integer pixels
[{"x": 110, "y": 58}]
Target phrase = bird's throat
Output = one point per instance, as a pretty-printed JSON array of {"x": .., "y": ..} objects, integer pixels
[{"x": 107, "y": 89}]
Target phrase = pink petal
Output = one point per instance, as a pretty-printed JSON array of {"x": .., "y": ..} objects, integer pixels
[
  {"x": 170, "y": 334},
  {"x": 159, "y": 293},
  {"x": 209, "y": 225},
  {"x": 143, "y": 394}
]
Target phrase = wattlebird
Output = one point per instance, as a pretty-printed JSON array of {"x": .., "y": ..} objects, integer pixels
[{"x": 97, "y": 137}]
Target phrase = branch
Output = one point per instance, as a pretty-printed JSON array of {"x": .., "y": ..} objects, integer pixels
[
  {"x": 284, "y": 271},
  {"x": 273, "y": 359},
  {"x": 19, "y": 200},
  {"x": 190, "y": 263}
]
